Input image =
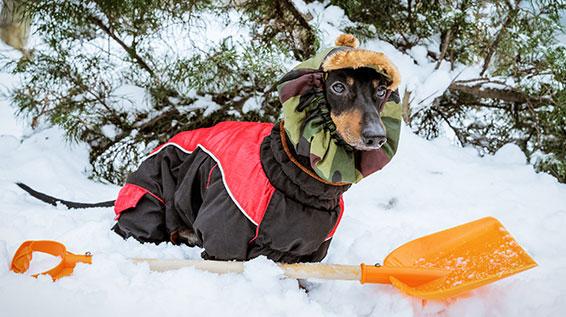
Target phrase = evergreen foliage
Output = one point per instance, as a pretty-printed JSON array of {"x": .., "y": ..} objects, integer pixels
[
  {"x": 97, "y": 57},
  {"x": 519, "y": 95}
]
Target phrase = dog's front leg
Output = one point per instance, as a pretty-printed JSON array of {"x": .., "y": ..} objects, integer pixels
[
  {"x": 185, "y": 236},
  {"x": 307, "y": 285}
]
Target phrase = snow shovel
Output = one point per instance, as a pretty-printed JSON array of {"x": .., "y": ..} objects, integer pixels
[{"x": 437, "y": 266}]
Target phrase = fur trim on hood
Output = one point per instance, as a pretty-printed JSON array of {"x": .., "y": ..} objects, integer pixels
[
  {"x": 350, "y": 56},
  {"x": 356, "y": 58}
]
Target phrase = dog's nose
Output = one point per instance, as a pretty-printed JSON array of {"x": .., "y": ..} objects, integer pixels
[{"x": 374, "y": 140}]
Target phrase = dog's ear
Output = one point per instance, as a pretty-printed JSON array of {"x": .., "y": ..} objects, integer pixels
[{"x": 394, "y": 96}]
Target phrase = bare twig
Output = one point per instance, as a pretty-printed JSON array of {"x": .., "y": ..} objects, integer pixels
[
  {"x": 131, "y": 51},
  {"x": 432, "y": 94},
  {"x": 445, "y": 44},
  {"x": 478, "y": 80},
  {"x": 405, "y": 106}
]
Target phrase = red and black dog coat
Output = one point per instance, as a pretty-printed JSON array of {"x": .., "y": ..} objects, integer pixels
[{"x": 239, "y": 189}]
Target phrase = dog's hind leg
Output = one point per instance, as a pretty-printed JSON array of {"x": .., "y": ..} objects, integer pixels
[{"x": 144, "y": 222}]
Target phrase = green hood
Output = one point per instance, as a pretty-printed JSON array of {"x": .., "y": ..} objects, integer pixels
[{"x": 307, "y": 120}]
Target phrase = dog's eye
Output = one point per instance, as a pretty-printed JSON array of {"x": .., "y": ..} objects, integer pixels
[
  {"x": 338, "y": 88},
  {"x": 380, "y": 91}
]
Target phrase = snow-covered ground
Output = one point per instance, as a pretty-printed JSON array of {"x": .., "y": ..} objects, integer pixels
[{"x": 429, "y": 186}]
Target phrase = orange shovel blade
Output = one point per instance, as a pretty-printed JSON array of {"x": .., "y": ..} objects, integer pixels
[{"x": 474, "y": 254}]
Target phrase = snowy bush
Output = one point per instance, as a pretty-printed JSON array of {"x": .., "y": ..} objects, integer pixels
[
  {"x": 124, "y": 76},
  {"x": 518, "y": 94}
]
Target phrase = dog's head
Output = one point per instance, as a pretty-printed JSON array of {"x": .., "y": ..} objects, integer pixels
[
  {"x": 338, "y": 100},
  {"x": 356, "y": 98}
]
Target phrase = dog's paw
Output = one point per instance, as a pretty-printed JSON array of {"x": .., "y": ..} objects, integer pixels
[
  {"x": 184, "y": 236},
  {"x": 307, "y": 286}
]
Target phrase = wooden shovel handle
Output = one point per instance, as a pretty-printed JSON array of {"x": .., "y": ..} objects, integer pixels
[
  {"x": 298, "y": 271},
  {"x": 363, "y": 273}
]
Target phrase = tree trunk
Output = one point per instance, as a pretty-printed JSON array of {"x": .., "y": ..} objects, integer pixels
[{"x": 14, "y": 25}]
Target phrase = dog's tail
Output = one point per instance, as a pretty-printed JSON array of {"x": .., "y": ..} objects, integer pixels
[{"x": 54, "y": 201}]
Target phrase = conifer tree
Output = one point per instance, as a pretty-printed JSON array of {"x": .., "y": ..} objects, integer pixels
[
  {"x": 125, "y": 75},
  {"x": 519, "y": 95}
]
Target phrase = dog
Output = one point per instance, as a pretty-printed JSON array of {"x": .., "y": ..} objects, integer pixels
[{"x": 244, "y": 189}]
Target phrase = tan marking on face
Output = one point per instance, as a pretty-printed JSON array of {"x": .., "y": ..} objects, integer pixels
[
  {"x": 349, "y": 126},
  {"x": 375, "y": 83},
  {"x": 350, "y": 81}
]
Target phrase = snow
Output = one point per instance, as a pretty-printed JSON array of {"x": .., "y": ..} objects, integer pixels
[
  {"x": 429, "y": 186},
  {"x": 419, "y": 54},
  {"x": 9, "y": 129},
  {"x": 252, "y": 104},
  {"x": 134, "y": 99},
  {"x": 109, "y": 131},
  {"x": 510, "y": 154},
  {"x": 204, "y": 102}
]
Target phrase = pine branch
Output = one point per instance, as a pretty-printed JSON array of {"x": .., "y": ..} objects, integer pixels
[
  {"x": 297, "y": 15},
  {"x": 130, "y": 50},
  {"x": 508, "y": 95},
  {"x": 310, "y": 38},
  {"x": 456, "y": 131}
]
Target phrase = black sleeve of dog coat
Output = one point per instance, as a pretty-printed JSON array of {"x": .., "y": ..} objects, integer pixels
[
  {"x": 144, "y": 223},
  {"x": 319, "y": 254}
]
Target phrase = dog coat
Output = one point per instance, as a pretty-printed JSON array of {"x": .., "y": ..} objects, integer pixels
[{"x": 235, "y": 186}]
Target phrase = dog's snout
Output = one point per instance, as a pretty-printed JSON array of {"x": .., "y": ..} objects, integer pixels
[
  {"x": 374, "y": 139},
  {"x": 373, "y": 131}
]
